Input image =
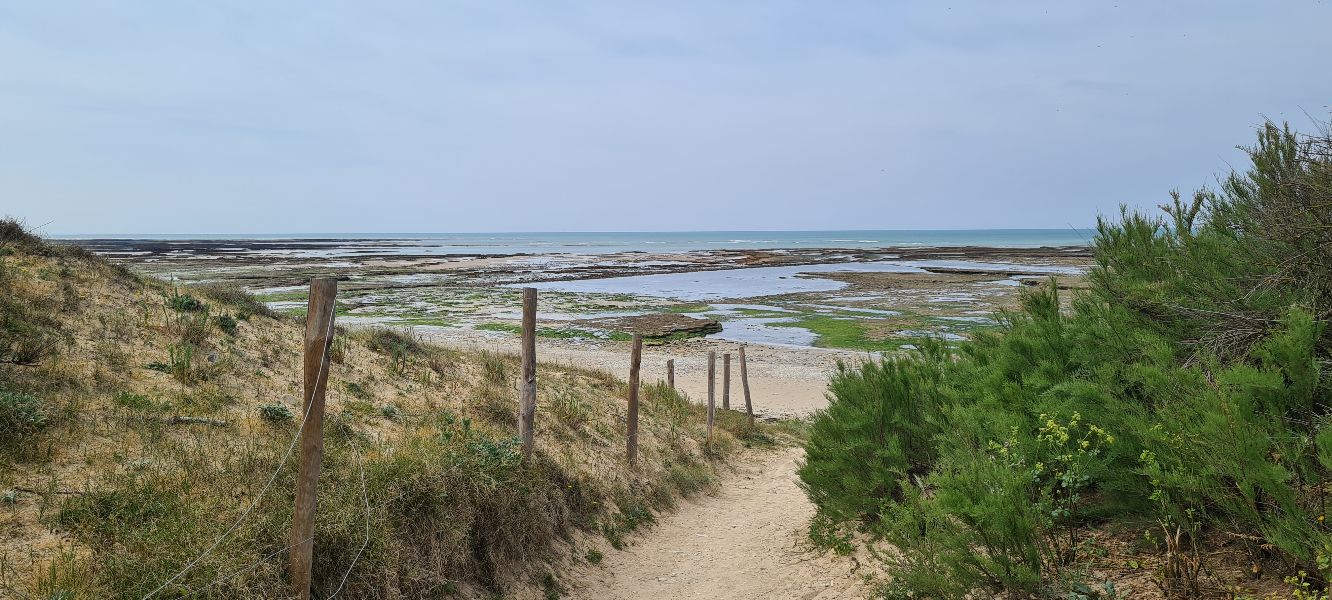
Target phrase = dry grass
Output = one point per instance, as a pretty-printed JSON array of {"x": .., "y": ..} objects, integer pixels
[{"x": 151, "y": 446}]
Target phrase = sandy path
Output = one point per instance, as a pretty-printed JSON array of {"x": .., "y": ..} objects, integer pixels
[{"x": 746, "y": 542}]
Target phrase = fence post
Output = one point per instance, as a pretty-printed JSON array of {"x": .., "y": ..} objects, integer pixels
[
  {"x": 527, "y": 397},
  {"x": 726, "y": 381},
  {"x": 744, "y": 383},
  {"x": 712, "y": 387},
  {"x": 635, "y": 358},
  {"x": 670, "y": 373},
  {"x": 318, "y": 336}
]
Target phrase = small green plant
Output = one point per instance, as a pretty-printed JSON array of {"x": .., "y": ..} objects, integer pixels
[
  {"x": 180, "y": 362},
  {"x": 140, "y": 402},
  {"x": 594, "y": 556},
  {"x": 276, "y": 413},
  {"x": 337, "y": 351},
  {"x": 1303, "y": 589},
  {"x": 569, "y": 407},
  {"x": 494, "y": 368},
  {"x": 193, "y": 327},
  {"x": 1105, "y": 591},
  {"x": 628, "y": 520},
  {"x": 183, "y": 303},
  {"x": 69, "y": 294},
  {"x": 21, "y": 416},
  {"x": 399, "y": 346},
  {"x": 357, "y": 390},
  {"x": 235, "y": 297},
  {"x": 228, "y": 324},
  {"x": 827, "y": 534},
  {"x": 551, "y": 589},
  {"x": 390, "y": 412}
]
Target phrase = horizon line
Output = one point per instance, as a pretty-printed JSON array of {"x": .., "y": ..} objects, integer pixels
[{"x": 364, "y": 234}]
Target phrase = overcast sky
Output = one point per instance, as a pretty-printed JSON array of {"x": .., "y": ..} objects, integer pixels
[{"x": 432, "y": 116}]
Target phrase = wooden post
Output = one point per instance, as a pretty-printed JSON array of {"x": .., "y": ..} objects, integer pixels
[
  {"x": 726, "y": 381},
  {"x": 318, "y": 335},
  {"x": 527, "y": 397},
  {"x": 670, "y": 373},
  {"x": 635, "y": 358},
  {"x": 712, "y": 389},
  {"x": 744, "y": 383}
]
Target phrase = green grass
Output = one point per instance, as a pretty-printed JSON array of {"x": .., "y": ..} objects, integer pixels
[
  {"x": 503, "y": 327},
  {"x": 836, "y": 332},
  {"x": 763, "y": 313},
  {"x": 283, "y": 296},
  {"x": 557, "y": 332},
  {"x": 426, "y": 321},
  {"x": 687, "y": 308}
]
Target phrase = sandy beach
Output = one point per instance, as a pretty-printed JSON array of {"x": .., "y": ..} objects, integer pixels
[{"x": 784, "y": 381}]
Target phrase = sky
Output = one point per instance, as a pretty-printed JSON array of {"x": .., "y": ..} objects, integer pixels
[{"x": 438, "y": 116}]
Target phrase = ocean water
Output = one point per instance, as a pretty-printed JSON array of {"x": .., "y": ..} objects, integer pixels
[
  {"x": 361, "y": 244},
  {"x": 754, "y": 282}
]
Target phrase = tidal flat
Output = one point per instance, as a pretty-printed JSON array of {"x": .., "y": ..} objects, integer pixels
[{"x": 804, "y": 308}]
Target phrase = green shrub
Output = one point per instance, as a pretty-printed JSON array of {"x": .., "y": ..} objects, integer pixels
[
  {"x": 1185, "y": 386},
  {"x": 15, "y": 234},
  {"x": 400, "y": 347},
  {"x": 184, "y": 302},
  {"x": 877, "y": 432},
  {"x": 228, "y": 324},
  {"x": 276, "y": 413},
  {"x": 242, "y": 302}
]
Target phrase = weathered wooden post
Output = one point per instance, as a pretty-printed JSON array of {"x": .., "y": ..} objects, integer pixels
[
  {"x": 318, "y": 336},
  {"x": 726, "y": 381},
  {"x": 527, "y": 397},
  {"x": 635, "y": 358},
  {"x": 670, "y": 373},
  {"x": 744, "y": 383},
  {"x": 712, "y": 392}
]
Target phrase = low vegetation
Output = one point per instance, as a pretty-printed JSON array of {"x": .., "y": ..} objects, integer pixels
[
  {"x": 1168, "y": 433},
  {"x": 146, "y": 438}
]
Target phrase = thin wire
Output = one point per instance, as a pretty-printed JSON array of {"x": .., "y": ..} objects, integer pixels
[
  {"x": 249, "y": 567},
  {"x": 365, "y": 497},
  {"x": 314, "y": 391},
  {"x": 381, "y": 504}
]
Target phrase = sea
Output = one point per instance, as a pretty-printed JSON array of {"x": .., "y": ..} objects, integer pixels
[{"x": 615, "y": 242}]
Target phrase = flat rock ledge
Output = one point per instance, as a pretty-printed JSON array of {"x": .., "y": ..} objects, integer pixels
[{"x": 660, "y": 326}]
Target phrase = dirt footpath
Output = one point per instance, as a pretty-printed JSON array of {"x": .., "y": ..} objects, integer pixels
[{"x": 748, "y": 541}]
